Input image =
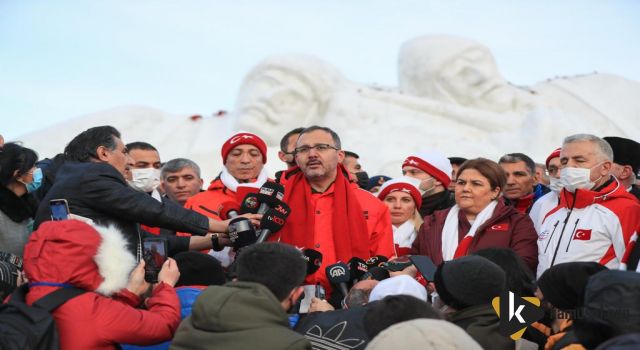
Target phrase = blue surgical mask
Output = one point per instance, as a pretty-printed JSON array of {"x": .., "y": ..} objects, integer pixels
[{"x": 37, "y": 181}]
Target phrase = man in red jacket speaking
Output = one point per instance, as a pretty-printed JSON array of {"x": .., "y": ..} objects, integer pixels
[{"x": 329, "y": 213}]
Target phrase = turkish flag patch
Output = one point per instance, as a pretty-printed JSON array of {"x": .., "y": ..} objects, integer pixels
[
  {"x": 582, "y": 235},
  {"x": 500, "y": 227}
]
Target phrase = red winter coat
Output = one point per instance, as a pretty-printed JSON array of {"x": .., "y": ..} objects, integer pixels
[
  {"x": 64, "y": 252},
  {"x": 507, "y": 228}
]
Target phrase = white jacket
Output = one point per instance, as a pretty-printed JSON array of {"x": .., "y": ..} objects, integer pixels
[
  {"x": 589, "y": 226},
  {"x": 541, "y": 207}
]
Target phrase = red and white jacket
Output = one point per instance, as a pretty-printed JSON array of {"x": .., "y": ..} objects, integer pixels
[{"x": 589, "y": 226}]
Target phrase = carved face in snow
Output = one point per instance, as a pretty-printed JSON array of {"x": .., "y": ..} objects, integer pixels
[
  {"x": 281, "y": 95},
  {"x": 454, "y": 70}
]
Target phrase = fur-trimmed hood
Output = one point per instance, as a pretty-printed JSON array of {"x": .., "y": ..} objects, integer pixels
[{"x": 93, "y": 258}]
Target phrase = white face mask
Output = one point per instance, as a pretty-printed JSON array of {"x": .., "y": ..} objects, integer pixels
[
  {"x": 555, "y": 184},
  {"x": 577, "y": 178},
  {"x": 145, "y": 180}
]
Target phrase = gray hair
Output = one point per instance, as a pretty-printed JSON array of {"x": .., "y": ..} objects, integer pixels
[
  {"x": 175, "y": 165},
  {"x": 602, "y": 147}
]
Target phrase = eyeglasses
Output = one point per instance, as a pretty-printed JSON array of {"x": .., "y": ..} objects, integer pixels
[{"x": 322, "y": 147}]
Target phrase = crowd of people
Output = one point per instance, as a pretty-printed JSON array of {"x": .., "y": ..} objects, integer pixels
[{"x": 320, "y": 255}]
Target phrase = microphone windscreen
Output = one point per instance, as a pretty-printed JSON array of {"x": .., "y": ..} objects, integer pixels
[
  {"x": 282, "y": 209},
  {"x": 376, "y": 261},
  {"x": 250, "y": 204},
  {"x": 270, "y": 191},
  {"x": 338, "y": 273},
  {"x": 241, "y": 232},
  {"x": 227, "y": 207},
  {"x": 272, "y": 221},
  {"x": 375, "y": 273},
  {"x": 357, "y": 267},
  {"x": 314, "y": 260}
]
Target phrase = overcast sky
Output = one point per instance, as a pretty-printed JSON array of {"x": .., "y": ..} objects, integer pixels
[{"x": 61, "y": 59}]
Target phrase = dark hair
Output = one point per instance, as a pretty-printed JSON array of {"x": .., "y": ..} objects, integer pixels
[
  {"x": 278, "y": 266},
  {"x": 395, "y": 309},
  {"x": 519, "y": 277},
  {"x": 519, "y": 157},
  {"x": 84, "y": 146},
  {"x": 141, "y": 146},
  {"x": 334, "y": 136},
  {"x": 457, "y": 160},
  {"x": 284, "y": 142},
  {"x": 15, "y": 157},
  {"x": 357, "y": 297},
  {"x": 351, "y": 154},
  {"x": 489, "y": 169}
]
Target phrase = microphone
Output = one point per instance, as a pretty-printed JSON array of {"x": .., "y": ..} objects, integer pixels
[
  {"x": 376, "y": 261},
  {"x": 270, "y": 194},
  {"x": 375, "y": 273},
  {"x": 314, "y": 260},
  {"x": 250, "y": 204},
  {"x": 338, "y": 275},
  {"x": 241, "y": 232},
  {"x": 357, "y": 268},
  {"x": 228, "y": 210},
  {"x": 272, "y": 221}
]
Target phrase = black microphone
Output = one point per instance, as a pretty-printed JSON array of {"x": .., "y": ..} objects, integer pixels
[
  {"x": 250, "y": 204},
  {"x": 228, "y": 210},
  {"x": 357, "y": 268},
  {"x": 376, "y": 261},
  {"x": 314, "y": 260},
  {"x": 270, "y": 194},
  {"x": 271, "y": 222},
  {"x": 241, "y": 232},
  {"x": 375, "y": 273},
  {"x": 338, "y": 275}
]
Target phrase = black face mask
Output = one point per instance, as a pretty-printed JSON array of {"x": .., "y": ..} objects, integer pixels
[{"x": 363, "y": 179}]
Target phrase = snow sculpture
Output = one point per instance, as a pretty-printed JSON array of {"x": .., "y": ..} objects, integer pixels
[{"x": 451, "y": 97}]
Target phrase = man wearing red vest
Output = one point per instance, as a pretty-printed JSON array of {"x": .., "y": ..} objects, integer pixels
[{"x": 330, "y": 213}]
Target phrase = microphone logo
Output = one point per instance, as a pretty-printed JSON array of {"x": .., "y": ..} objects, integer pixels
[
  {"x": 279, "y": 195},
  {"x": 337, "y": 271},
  {"x": 276, "y": 219},
  {"x": 251, "y": 202},
  {"x": 280, "y": 209},
  {"x": 266, "y": 191}
]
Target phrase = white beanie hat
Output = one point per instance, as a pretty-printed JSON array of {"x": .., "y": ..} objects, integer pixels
[
  {"x": 398, "y": 285},
  {"x": 423, "y": 333},
  {"x": 433, "y": 163}
]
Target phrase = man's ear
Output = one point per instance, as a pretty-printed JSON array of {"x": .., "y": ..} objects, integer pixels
[
  {"x": 281, "y": 155},
  {"x": 340, "y": 156},
  {"x": 606, "y": 167},
  {"x": 102, "y": 153},
  {"x": 626, "y": 172}
]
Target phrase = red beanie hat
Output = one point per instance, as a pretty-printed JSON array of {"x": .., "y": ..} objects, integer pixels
[
  {"x": 432, "y": 163},
  {"x": 403, "y": 184},
  {"x": 244, "y": 138},
  {"x": 554, "y": 154}
]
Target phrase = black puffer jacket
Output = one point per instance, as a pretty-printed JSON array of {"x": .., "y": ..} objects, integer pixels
[{"x": 99, "y": 192}]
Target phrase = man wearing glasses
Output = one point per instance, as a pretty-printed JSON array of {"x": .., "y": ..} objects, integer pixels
[{"x": 329, "y": 213}]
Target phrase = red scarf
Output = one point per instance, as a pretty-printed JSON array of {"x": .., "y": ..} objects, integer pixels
[{"x": 350, "y": 232}]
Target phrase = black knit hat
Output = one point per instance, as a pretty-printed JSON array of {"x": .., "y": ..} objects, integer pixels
[
  {"x": 199, "y": 269},
  {"x": 563, "y": 285},
  {"x": 468, "y": 281},
  {"x": 625, "y": 152}
]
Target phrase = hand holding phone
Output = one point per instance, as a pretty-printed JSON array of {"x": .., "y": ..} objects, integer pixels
[
  {"x": 320, "y": 292},
  {"x": 154, "y": 253}
]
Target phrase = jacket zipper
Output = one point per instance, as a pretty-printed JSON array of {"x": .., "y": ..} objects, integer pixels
[
  {"x": 550, "y": 237},
  {"x": 564, "y": 225},
  {"x": 572, "y": 233}
]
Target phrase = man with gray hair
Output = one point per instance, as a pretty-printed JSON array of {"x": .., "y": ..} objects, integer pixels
[
  {"x": 521, "y": 189},
  {"x": 596, "y": 218},
  {"x": 180, "y": 179}
]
